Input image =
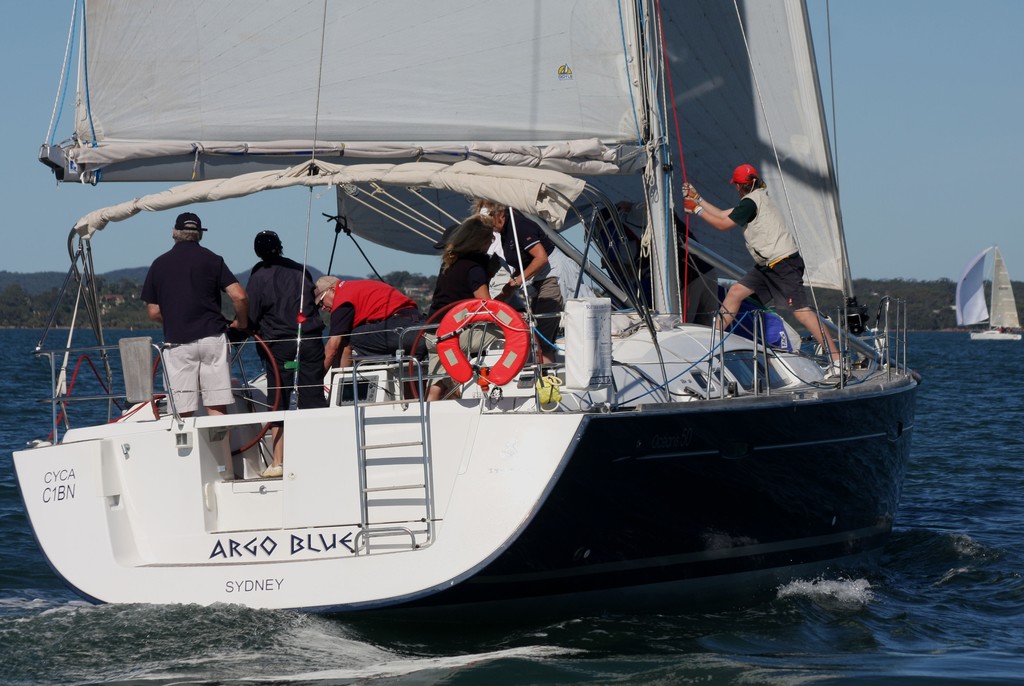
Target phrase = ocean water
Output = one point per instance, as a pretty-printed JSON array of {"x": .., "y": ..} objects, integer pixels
[{"x": 945, "y": 604}]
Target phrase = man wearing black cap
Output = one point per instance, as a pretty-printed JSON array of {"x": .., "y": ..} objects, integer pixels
[
  {"x": 182, "y": 291},
  {"x": 283, "y": 312}
]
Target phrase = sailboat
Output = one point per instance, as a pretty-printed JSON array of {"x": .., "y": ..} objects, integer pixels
[
  {"x": 669, "y": 464},
  {"x": 971, "y": 307}
]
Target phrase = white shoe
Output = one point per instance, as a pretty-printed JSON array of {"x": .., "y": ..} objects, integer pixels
[
  {"x": 835, "y": 372},
  {"x": 274, "y": 471}
]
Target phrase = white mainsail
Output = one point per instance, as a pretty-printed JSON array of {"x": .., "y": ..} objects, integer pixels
[
  {"x": 1004, "y": 306},
  {"x": 366, "y": 79},
  {"x": 202, "y": 89}
]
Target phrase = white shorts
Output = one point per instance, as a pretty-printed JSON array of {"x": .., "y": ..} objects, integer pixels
[{"x": 200, "y": 366}]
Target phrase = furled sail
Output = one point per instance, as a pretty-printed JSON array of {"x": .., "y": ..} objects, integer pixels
[{"x": 219, "y": 81}]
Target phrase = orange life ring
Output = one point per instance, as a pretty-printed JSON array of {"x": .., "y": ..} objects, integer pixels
[{"x": 465, "y": 314}]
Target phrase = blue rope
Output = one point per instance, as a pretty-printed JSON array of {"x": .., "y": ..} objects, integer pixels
[
  {"x": 703, "y": 359},
  {"x": 541, "y": 336}
]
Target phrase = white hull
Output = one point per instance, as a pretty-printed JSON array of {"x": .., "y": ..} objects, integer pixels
[
  {"x": 995, "y": 335},
  {"x": 125, "y": 517}
]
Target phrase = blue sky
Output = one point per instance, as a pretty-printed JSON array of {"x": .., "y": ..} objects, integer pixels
[{"x": 928, "y": 98}]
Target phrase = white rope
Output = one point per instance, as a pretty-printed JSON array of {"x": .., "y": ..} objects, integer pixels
[
  {"x": 63, "y": 73},
  {"x": 404, "y": 208},
  {"x": 372, "y": 208},
  {"x": 309, "y": 210}
]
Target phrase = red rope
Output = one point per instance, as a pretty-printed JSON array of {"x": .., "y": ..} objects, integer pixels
[{"x": 682, "y": 160}]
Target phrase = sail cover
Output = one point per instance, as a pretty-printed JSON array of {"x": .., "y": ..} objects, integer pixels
[
  {"x": 970, "y": 292},
  {"x": 512, "y": 81}
]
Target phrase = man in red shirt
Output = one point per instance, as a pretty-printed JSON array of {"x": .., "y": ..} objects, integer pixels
[{"x": 367, "y": 318}]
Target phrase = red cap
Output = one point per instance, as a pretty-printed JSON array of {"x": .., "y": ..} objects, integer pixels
[{"x": 744, "y": 174}]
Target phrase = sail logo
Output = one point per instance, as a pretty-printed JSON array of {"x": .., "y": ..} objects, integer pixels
[{"x": 565, "y": 73}]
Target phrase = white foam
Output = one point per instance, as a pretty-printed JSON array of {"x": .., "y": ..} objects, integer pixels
[
  {"x": 847, "y": 592},
  {"x": 405, "y": 666}
]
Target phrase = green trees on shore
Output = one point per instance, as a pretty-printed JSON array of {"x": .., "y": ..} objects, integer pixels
[{"x": 26, "y": 300}]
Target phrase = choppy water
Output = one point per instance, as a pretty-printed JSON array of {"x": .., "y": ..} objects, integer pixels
[{"x": 946, "y": 605}]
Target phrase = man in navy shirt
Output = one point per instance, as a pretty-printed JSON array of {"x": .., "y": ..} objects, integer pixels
[
  {"x": 182, "y": 291},
  {"x": 283, "y": 312}
]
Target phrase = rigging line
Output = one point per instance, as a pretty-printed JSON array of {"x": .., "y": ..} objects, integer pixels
[
  {"x": 62, "y": 84},
  {"x": 832, "y": 90},
  {"x": 435, "y": 205},
  {"x": 384, "y": 214},
  {"x": 319, "y": 83},
  {"x": 300, "y": 316},
  {"x": 309, "y": 210},
  {"x": 402, "y": 207},
  {"x": 522, "y": 284},
  {"x": 340, "y": 225}
]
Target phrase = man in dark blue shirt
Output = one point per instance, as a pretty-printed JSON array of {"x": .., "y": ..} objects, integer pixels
[
  {"x": 182, "y": 291},
  {"x": 283, "y": 312}
]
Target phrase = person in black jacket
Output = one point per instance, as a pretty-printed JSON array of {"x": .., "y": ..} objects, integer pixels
[
  {"x": 283, "y": 313},
  {"x": 466, "y": 271}
]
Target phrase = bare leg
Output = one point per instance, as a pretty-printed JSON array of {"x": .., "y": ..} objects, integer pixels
[
  {"x": 277, "y": 438},
  {"x": 731, "y": 305},
  {"x": 809, "y": 319},
  {"x": 435, "y": 392}
]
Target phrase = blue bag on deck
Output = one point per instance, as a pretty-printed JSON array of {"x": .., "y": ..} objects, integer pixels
[{"x": 775, "y": 330}]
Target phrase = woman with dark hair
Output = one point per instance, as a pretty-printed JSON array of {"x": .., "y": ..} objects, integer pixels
[{"x": 466, "y": 270}]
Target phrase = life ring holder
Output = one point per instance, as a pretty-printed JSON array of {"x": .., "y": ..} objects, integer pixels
[{"x": 483, "y": 311}]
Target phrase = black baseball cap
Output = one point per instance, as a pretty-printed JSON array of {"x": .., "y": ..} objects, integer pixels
[
  {"x": 441, "y": 244},
  {"x": 187, "y": 221}
]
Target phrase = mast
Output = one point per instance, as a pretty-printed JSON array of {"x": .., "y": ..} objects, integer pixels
[{"x": 658, "y": 171}]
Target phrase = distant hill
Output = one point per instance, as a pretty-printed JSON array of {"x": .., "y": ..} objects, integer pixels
[
  {"x": 26, "y": 299},
  {"x": 35, "y": 283}
]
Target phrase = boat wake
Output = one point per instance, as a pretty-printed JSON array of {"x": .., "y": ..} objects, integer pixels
[{"x": 842, "y": 593}]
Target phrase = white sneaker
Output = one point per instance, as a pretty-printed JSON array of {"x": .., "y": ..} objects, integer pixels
[
  {"x": 274, "y": 471},
  {"x": 835, "y": 372}
]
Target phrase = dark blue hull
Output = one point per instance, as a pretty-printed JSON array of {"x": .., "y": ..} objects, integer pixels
[{"x": 708, "y": 499}]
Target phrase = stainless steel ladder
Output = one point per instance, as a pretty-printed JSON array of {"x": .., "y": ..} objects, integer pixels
[{"x": 395, "y": 471}]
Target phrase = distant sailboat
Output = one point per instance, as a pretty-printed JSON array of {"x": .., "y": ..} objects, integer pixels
[{"x": 970, "y": 299}]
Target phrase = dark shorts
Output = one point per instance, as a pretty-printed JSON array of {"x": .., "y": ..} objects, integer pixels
[
  {"x": 386, "y": 336},
  {"x": 782, "y": 284},
  {"x": 311, "y": 372}
]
